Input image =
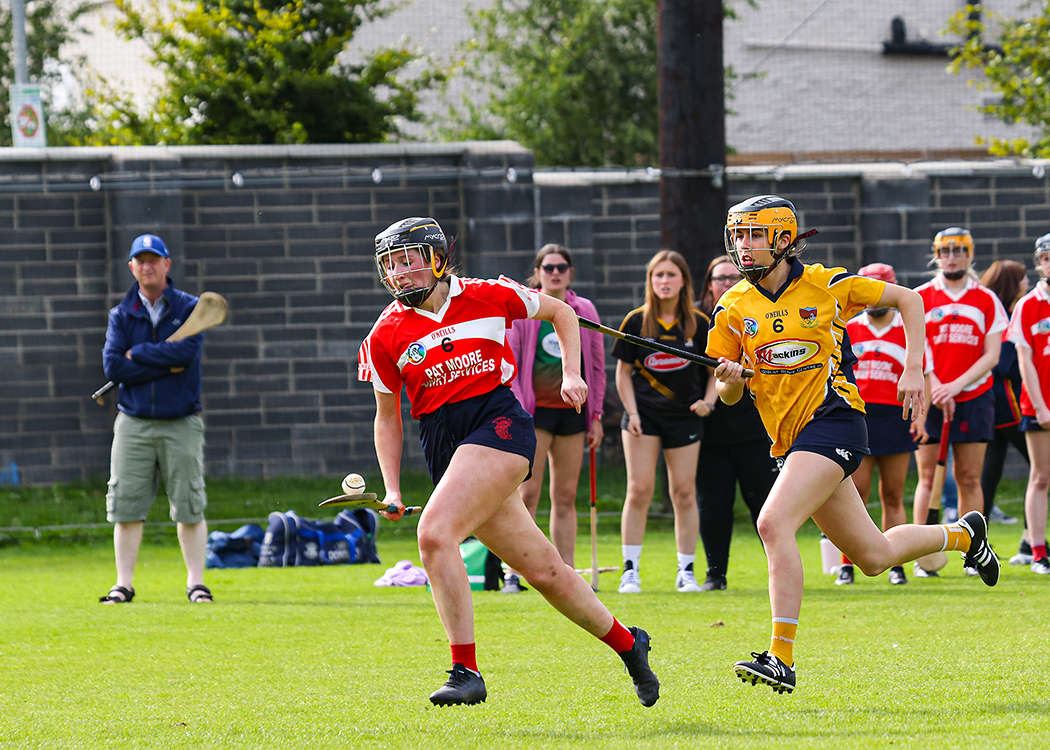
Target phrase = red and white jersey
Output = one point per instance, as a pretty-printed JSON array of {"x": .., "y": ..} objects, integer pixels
[
  {"x": 880, "y": 357},
  {"x": 1030, "y": 329},
  {"x": 956, "y": 326},
  {"x": 451, "y": 355}
]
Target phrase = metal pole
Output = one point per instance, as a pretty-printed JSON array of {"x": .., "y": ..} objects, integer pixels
[{"x": 18, "y": 24}]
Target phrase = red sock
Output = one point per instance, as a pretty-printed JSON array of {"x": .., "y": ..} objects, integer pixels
[
  {"x": 619, "y": 638},
  {"x": 464, "y": 653},
  {"x": 846, "y": 560},
  {"x": 1038, "y": 551}
]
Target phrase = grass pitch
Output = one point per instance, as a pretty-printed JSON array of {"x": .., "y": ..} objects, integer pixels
[{"x": 320, "y": 657}]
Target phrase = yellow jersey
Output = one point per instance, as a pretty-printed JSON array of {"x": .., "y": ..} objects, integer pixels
[{"x": 795, "y": 341}]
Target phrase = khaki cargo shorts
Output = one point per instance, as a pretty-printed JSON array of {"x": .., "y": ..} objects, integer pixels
[{"x": 146, "y": 451}]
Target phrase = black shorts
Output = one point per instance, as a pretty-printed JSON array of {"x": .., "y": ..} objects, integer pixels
[
  {"x": 556, "y": 421},
  {"x": 840, "y": 435},
  {"x": 1029, "y": 424},
  {"x": 888, "y": 432},
  {"x": 495, "y": 419},
  {"x": 675, "y": 429},
  {"x": 973, "y": 421}
]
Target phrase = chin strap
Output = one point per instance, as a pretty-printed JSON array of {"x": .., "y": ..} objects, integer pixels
[{"x": 954, "y": 275}]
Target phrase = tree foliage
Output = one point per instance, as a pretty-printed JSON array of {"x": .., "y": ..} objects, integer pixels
[
  {"x": 574, "y": 80},
  {"x": 51, "y": 25},
  {"x": 1017, "y": 68},
  {"x": 258, "y": 72}
]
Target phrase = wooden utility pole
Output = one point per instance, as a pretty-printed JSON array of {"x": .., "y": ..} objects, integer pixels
[{"x": 692, "y": 130}]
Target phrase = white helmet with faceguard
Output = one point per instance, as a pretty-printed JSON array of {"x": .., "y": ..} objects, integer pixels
[
  {"x": 775, "y": 218},
  {"x": 422, "y": 234}
]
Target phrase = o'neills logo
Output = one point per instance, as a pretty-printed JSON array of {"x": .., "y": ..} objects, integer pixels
[
  {"x": 663, "y": 362},
  {"x": 786, "y": 354}
]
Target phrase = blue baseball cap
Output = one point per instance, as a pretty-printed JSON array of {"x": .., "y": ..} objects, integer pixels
[{"x": 148, "y": 243}]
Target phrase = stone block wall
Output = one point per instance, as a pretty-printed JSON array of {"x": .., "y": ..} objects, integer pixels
[{"x": 285, "y": 234}]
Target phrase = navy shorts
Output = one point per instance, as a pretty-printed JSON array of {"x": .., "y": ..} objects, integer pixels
[
  {"x": 973, "y": 422},
  {"x": 565, "y": 421},
  {"x": 840, "y": 435},
  {"x": 495, "y": 419},
  {"x": 675, "y": 429},
  {"x": 888, "y": 432},
  {"x": 1030, "y": 424}
]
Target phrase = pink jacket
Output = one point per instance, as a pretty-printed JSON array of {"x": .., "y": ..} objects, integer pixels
[{"x": 522, "y": 338}]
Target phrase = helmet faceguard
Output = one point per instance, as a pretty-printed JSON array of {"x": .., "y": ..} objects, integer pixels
[
  {"x": 1042, "y": 247},
  {"x": 947, "y": 240},
  {"x": 423, "y": 236},
  {"x": 775, "y": 218}
]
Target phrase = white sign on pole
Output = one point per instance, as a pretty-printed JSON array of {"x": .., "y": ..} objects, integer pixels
[{"x": 27, "y": 117}]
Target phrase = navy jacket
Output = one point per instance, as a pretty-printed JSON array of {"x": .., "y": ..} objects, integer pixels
[
  {"x": 1006, "y": 385},
  {"x": 148, "y": 388}
]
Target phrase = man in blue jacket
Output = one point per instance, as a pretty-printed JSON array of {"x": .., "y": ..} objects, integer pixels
[{"x": 158, "y": 433}]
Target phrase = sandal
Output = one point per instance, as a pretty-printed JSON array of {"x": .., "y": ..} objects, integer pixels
[
  {"x": 199, "y": 594},
  {"x": 126, "y": 595}
]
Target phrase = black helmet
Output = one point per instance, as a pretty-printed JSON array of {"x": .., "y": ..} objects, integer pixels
[{"x": 419, "y": 233}]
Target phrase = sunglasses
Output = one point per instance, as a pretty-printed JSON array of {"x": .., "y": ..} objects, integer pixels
[
  {"x": 723, "y": 279},
  {"x": 552, "y": 267}
]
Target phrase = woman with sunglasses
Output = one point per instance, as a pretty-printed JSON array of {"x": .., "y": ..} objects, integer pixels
[
  {"x": 964, "y": 329},
  {"x": 562, "y": 433},
  {"x": 734, "y": 450},
  {"x": 664, "y": 398}
]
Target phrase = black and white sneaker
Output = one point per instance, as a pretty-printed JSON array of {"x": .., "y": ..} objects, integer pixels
[
  {"x": 897, "y": 576},
  {"x": 845, "y": 576},
  {"x": 636, "y": 659},
  {"x": 767, "y": 669},
  {"x": 512, "y": 584},
  {"x": 1024, "y": 554},
  {"x": 462, "y": 688},
  {"x": 980, "y": 555},
  {"x": 1041, "y": 566}
]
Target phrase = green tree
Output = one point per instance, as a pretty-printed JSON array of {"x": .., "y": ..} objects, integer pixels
[
  {"x": 261, "y": 71},
  {"x": 1016, "y": 66},
  {"x": 51, "y": 25},
  {"x": 573, "y": 80}
]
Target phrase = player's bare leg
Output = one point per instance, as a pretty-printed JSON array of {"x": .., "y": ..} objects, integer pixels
[
  {"x": 681, "y": 479},
  {"x": 641, "y": 453},
  {"x": 566, "y": 460},
  {"x": 966, "y": 466},
  {"x": 511, "y": 535},
  {"x": 465, "y": 498}
]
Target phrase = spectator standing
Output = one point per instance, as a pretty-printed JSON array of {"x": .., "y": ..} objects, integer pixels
[{"x": 158, "y": 433}]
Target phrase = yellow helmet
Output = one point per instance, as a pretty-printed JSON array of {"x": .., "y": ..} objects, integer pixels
[
  {"x": 953, "y": 237},
  {"x": 771, "y": 213}
]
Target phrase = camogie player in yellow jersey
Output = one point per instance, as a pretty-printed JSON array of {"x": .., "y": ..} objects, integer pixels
[{"x": 787, "y": 321}]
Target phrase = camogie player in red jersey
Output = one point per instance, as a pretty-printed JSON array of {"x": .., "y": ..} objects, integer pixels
[
  {"x": 788, "y": 324},
  {"x": 1030, "y": 333},
  {"x": 878, "y": 341},
  {"x": 964, "y": 329},
  {"x": 444, "y": 340}
]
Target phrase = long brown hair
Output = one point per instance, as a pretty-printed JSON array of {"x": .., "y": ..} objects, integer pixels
[
  {"x": 1004, "y": 278},
  {"x": 550, "y": 249},
  {"x": 707, "y": 301},
  {"x": 684, "y": 311}
]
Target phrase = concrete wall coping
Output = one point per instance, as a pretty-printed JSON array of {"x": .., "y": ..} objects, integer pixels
[
  {"x": 874, "y": 170},
  {"x": 309, "y": 151}
]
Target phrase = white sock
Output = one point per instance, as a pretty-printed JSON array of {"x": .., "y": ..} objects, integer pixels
[
  {"x": 684, "y": 561},
  {"x": 632, "y": 553}
]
